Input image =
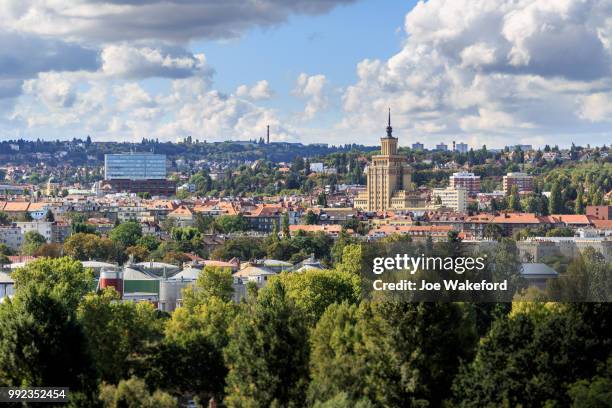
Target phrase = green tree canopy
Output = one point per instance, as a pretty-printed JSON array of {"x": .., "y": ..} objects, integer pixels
[
  {"x": 126, "y": 234},
  {"x": 133, "y": 393},
  {"x": 65, "y": 278},
  {"x": 314, "y": 290},
  {"x": 267, "y": 354},
  {"x": 392, "y": 353},
  {"x": 32, "y": 240},
  {"x": 117, "y": 331},
  {"x": 41, "y": 343}
]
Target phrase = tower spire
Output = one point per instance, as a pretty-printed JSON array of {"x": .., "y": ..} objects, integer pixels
[{"x": 389, "y": 128}]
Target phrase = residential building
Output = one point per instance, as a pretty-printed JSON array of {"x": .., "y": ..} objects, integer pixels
[
  {"x": 442, "y": 147},
  {"x": 540, "y": 248},
  {"x": 417, "y": 232},
  {"x": 182, "y": 216},
  {"x": 44, "y": 228},
  {"x": 265, "y": 217},
  {"x": 469, "y": 181},
  {"x": 331, "y": 230},
  {"x": 461, "y": 148},
  {"x": 418, "y": 146},
  {"x": 454, "y": 198},
  {"x": 523, "y": 181},
  {"x": 599, "y": 212},
  {"x": 11, "y": 236},
  {"x": 317, "y": 167}
]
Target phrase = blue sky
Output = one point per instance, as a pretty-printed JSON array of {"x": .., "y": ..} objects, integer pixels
[
  {"x": 331, "y": 44},
  {"x": 495, "y": 72}
]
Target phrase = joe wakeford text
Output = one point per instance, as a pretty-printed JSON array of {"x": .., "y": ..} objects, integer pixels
[{"x": 411, "y": 264}]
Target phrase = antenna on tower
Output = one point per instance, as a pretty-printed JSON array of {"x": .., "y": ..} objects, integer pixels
[{"x": 268, "y": 136}]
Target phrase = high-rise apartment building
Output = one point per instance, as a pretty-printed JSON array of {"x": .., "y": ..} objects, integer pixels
[
  {"x": 469, "y": 181},
  {"x": 523, "y": 181},
  {"x": 461, "y": 148},
  {"x": 442, "y": 147},
  {"x": 451, "y": 197}
]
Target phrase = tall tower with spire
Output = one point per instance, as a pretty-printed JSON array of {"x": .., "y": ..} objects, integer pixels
[
  {"x": 389, "y": 178},
  {"x": 388, "y": 144}
]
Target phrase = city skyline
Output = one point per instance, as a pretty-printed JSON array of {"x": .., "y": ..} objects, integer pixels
[{"x": 496, "y": 73}]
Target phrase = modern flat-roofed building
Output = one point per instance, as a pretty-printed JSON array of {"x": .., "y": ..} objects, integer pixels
[
  {"x": 451, "y": 197},
  {"x": 138, "y": 173},
  {"x": 418, "y": 146},
  {"x": 442, "y": 147},
  {"x": 522, "y": 181},
  {"x": 469, "y": 181},
  {"x": 461, "y": 148},
  {"x": 135, "y": 166}
]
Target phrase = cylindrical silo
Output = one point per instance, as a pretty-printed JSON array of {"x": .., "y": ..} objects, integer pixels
[{"x": 111, "y": 278}]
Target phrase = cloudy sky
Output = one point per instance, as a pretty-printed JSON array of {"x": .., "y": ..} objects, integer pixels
[{"x": 491, "y": 72}]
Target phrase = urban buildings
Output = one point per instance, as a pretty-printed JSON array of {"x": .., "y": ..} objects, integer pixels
[
  {"x": 138, "y": 173},
  {"x": 599, "y": 212},
  {"x": 467, "y": 180},
  {"x": 389, "y": 179},
  {"x": 134, "y": 166},
  {"x": 523, "y": 181},
  {"x": 418, "y": 146},
  {"x": 442, "y": 147},
  {"x": 454, "y": 198},
  {"x": 461, "y": 148}
]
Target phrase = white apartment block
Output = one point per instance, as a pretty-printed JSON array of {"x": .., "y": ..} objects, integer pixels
[
  {"x": 42, "y": 227},
  {"x": 11, "y": 236},
  {"x": 454, "y": 198}
]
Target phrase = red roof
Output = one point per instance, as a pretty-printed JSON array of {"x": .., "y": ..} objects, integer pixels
[
  {"x": 602, "y": 224},
  {"x": 517, "y": 218}
]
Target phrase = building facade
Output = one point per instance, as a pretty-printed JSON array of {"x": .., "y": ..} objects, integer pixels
[
  {"x": 462, "y": 148},
  {"x": 522, "y": 181},
  {"x": 469, "y": 181},
  {"x": 442, "y": 147},
  {"x": 138, "y": 173},
  {"x": 389, "y": 179},
  {"x": 599, "y": 212},
  {"x": 455, "y": 198},
  {"x": 135, "y": 166}
]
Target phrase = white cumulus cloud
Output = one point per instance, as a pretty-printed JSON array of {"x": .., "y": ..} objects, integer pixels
[
  {"x": 490, "y": 71},
  {"x": 311, "y": 88},
  {"x": 260, "y": 91}
]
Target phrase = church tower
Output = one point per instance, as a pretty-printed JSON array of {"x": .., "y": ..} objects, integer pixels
[{"x": 389, "y": 177}]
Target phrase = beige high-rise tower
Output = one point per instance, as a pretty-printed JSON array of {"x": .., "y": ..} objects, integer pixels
[{"x": 389, "y": 179}]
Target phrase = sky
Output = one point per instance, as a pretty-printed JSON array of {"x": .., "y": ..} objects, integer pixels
[{"x": 494, "y": 72}]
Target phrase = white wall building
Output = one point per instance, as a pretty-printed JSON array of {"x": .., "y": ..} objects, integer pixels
[
  {"x": 454, "y": 198},
  {"x": 11, "y": 236},
  {"x": 44, "y": 228}
]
